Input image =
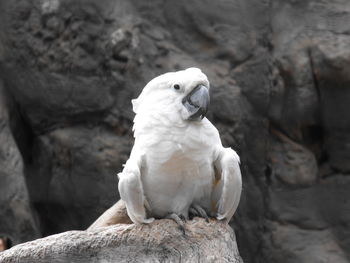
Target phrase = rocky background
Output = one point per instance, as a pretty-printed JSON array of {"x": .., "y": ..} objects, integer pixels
[{"x": 280, "y": 88}]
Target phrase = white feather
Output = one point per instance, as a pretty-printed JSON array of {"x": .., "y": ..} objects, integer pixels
[{"x": 171, "y": 166}]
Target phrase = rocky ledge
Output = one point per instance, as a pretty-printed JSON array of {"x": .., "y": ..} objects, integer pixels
[{"x": 160, "y": 241}]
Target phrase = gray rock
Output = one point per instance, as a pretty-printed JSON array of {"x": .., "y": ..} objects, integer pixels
[
  {"x": 72, "y": 67},
  {"x": 160, "y": 241},
  {"x": 332, "y": 76},
  {"x": 74, "y": 166},
  {"x": 17, "y": 220},
  {"x": 309, "y": 246},
  {"x": 291, "y": 162}
]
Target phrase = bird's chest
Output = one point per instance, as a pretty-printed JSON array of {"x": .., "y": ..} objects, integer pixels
[
  {"x": 175, "y": 174},
  {"x": 173, "y": 164}
]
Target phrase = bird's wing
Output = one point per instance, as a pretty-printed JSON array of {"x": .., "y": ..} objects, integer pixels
[
  {"x": 131, "y": 190},
  {"x": 229, "y": 184}
]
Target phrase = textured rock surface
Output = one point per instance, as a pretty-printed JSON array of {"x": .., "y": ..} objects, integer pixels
[
  {"x": 160, "y": 241},
  {"x": 16, "y": 217},
  {"x": 280, "y": 81}
]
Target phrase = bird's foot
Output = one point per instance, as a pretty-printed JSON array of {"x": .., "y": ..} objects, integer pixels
[
  {"x": 180, "y": 221},
  {"x": 196, "y": 210}
]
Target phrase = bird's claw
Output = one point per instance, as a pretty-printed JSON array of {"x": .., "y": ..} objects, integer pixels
[
  {"x": 196, "y": 210},
  {"x": 180, "y": 220}
]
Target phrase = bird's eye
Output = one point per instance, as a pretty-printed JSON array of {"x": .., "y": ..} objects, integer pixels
[{"x": 177, "y": 86}]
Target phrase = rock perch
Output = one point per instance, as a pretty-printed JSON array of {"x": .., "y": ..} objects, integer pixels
[{"x": 160, "y": 241}]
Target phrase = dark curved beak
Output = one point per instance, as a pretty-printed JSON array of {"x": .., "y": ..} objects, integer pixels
[{"x": 197, "y": 102}]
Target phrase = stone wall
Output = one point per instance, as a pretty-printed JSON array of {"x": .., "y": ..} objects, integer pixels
[{"x": 279, "y": 73}]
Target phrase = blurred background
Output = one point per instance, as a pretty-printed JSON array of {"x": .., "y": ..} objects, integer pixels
[{"x": 280, "y": 96}]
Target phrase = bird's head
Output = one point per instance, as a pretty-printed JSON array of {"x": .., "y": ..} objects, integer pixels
[{"x": 183, "y": 94}]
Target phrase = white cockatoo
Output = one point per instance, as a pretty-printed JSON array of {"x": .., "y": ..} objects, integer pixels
[{"x": 178, "y": 164}]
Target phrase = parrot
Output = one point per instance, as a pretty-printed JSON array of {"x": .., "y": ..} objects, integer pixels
[{"x": 178, "y": 165}]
